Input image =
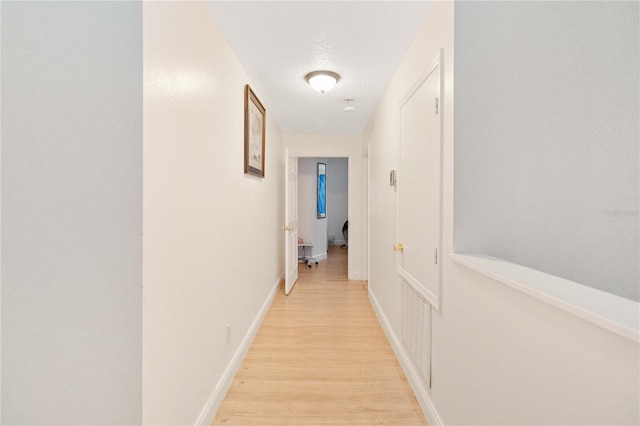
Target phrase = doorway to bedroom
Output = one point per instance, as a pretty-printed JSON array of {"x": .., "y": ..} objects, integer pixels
[{"x": 323, "y": 223}]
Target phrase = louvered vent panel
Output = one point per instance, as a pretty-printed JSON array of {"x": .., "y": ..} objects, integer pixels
[{"x": 416, "y": 330}]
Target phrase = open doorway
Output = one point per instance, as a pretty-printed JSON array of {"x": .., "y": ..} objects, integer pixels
[
  {"x": 323, "y": 209},
  {"x": 331, "y": 146}
]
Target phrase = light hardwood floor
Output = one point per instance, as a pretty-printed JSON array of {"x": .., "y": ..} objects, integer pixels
[{"x": 321, "y": 358}]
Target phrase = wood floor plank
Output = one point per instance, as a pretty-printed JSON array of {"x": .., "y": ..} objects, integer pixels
[{"x": 321, "y": 358}]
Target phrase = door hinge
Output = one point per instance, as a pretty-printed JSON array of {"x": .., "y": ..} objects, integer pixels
[
  {"x": 435, "y": 256},
  {"x": 437, "y": 104}
]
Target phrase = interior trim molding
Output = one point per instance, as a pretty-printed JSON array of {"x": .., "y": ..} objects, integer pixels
[
  {"x": 421, "y": 393},
  {"x": 611, "y": 312},
  {"x": 320, "y": 256},
  {"x": 211, "y": 408}
]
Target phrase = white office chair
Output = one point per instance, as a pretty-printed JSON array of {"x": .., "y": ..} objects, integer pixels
[{"x": 308, "y": 260}]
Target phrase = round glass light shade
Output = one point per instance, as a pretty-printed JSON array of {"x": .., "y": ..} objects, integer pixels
[{"x": 322, "y": 81}]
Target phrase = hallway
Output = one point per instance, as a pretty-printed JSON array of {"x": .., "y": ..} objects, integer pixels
[
  {"x": 492, "y": 196},
  {"x": 320, "y": 357}
]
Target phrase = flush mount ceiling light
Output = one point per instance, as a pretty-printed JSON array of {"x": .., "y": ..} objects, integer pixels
[{"x": 322, "y": 81}]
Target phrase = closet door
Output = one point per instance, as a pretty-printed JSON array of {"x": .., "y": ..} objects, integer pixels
[{"x": 419, "y": 187}]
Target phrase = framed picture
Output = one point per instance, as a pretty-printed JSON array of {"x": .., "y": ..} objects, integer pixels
[
  {"x": 254, "y": 133},
  {"x": 322, "y": 190}
]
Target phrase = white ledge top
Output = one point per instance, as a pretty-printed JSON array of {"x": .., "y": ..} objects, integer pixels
[{"x": 614, "y": 313}]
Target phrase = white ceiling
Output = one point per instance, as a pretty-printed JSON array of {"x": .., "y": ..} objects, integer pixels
[{"x": 279, "y": 42}]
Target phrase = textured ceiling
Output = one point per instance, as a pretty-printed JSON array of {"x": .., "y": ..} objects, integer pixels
[{"x": 279, "y": 42}]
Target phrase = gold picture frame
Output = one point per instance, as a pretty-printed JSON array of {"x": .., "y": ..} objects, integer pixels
[{"x": 254, "y": 133}]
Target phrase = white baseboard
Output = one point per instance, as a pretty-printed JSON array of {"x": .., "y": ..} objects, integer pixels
[
  {"x": 412, "y": 375},
  {"x": 321, "y": 256},
  {"x": 209, "y": 411}
]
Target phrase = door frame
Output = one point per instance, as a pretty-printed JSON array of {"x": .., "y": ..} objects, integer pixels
[{"x": 358, "y": 218}]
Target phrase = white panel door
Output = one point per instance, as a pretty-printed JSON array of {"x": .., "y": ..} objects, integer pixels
[
  {"x": 290, "y": 221},
  {"x": 419, "y": 187}
]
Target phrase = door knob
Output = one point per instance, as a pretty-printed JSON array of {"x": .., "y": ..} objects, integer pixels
[{"x": 398, "y": 247}]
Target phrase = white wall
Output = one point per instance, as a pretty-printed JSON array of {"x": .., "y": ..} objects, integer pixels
[
  {"x": 350, "y": 146},
  {"x": 71, "y": 212},
  {"x": 337, "y": 197},
  {"x": 547, "y": 166},
  {"x": 0, "y": 212},
  {"x": 202, "y": 214},
  {"x": 311, "y": 229},
  {"x": 499, "y": 356}
]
